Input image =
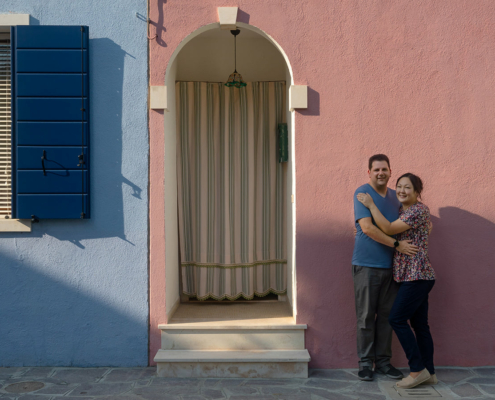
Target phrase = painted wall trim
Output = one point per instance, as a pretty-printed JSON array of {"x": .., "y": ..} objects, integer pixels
[
  {"x": 227, "y": 17},
  {"x": 15, "y": 225},
  {"x": 158, "y": 98},
  {"x": 298, "y": 97}
]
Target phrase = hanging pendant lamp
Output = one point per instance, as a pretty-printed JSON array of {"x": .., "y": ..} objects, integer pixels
[{"x": 235, "y": 78}]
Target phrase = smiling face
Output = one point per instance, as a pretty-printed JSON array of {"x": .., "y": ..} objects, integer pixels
[
  {"x": 405, "y": 192},
  {"x": 379, "y": 174}
]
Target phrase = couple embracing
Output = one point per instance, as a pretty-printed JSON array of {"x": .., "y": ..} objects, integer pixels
[{"x": 392, "y": 275}]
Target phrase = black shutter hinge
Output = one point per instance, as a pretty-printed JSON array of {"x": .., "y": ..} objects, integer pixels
[
  {"x": 34, "y": 219},
  {"x": 83, "y": 215},
  {"x": 81, "y": 160}
]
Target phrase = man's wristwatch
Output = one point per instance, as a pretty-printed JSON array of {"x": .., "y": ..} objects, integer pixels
[{"x": 396, "y": 244}]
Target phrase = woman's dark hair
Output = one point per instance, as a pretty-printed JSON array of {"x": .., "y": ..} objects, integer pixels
[
  {"x": 377, "y": 157},
  {"x": 415, "y": 180}
]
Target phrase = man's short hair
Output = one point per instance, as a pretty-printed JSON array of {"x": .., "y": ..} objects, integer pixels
[{"x": 378, "y": 157}]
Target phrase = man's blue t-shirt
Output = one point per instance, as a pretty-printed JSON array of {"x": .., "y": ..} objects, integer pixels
[{"x": 367, "y": 252}]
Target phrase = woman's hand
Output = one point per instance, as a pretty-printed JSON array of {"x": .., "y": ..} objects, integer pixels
[{"x": 366, "y": 199}]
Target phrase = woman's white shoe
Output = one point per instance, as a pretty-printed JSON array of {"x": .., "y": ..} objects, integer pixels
[{"x": 410, "y": 382}]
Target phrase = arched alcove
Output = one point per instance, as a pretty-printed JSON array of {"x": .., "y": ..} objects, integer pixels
[{"x": 207, "y": 55}]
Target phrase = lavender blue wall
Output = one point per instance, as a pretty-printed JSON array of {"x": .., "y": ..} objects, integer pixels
[{"x": 75, "y": 293}]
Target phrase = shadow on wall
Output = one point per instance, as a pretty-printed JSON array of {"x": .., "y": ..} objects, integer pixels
[
  {"x": 461, "y": 303},
  {"x": 313, "y": 103},
  {"x": 108, "y": 184},
  {"x": 46, "y": 322},
  {"x": 157, "y": 28},
  {"x": 462, "y": 312}
]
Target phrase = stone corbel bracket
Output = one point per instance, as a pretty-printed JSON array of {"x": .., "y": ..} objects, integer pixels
[
  {"x": 228, "y": 17},
  {"x": 298, "y": 97},
  {"x": 158, "y": 97}
]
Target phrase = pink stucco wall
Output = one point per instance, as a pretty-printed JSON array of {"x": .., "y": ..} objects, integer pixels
[{"x": 413, "y": 80}]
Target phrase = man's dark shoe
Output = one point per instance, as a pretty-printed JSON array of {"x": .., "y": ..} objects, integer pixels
[
  {"x": 390, "y": 371},
  {"x": 366, "y": 374}
]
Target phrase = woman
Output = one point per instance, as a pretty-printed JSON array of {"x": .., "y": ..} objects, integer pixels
[{"x": 416, "y": 278}]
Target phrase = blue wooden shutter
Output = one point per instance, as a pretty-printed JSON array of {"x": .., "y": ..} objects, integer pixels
[{"x": 50, "y": 122}]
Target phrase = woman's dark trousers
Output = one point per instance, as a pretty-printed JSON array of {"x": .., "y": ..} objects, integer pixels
[{"x": 411, "y": 304}]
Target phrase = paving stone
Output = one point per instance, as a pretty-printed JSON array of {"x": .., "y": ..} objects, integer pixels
[
  {"x": 370, "y": 396},
  {"x": 166, "y": 390},
  {"x": 332, "y": 374},
  {"x": 325, "y": 394},
  {"x": 328, "y": 384},
  {"x": 485, "y": 380},
  {"x": 241, "y": 390},
  {"x": 101, "y": 389},
  {"x": 252, "y": 397},
  {"x": 212, "y": 393},
  {"x": 142, "y": 382},
  {"x": 37, "y": 372},
  {"x": 57, "y": 389},
  {"x": 193, "y": 397},
  {"x": 488, "y": 371},
  {"x": 231, "y": 382},
  {"x": 211, "y": 382},
  {"x": 176, "y": 381},
  {"x": 80, "y": 375},
  {"x": 488, "y": 389},
  {"x": 129, "y": 374},
  {"x": 39, "y": 397},
  {"x": 451, "y": 375},
  {"x": 68, "y": 398},
  {"x": 270, "y": 382},
  {"x": 466, "y": 390},
  {"x": 27, "y": 379},
  {"x": 156, "y": 396},
  {"x": 365, "y": 387},
  {"x": 279, "y": 390},
  {"x": 119, "y": 397}
]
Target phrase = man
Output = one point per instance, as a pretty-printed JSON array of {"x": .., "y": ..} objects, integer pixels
[{"x": 374, "y": 287}]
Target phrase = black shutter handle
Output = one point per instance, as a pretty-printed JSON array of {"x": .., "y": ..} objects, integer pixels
[{"x": 43, "y": 157}]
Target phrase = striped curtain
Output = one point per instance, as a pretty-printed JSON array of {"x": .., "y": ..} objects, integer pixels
[{"x": 231, "y": 190}]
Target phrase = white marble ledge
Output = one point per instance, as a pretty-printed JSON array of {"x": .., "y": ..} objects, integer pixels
[
  {"x": 215, "y": 326},
  {"x": 15, "y": 225},
  {"x": 232, "y": 356}
]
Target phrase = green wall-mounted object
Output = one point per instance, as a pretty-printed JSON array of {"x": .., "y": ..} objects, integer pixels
[{"x": 283, "y": 143}]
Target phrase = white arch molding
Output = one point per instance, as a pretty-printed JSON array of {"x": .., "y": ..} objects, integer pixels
[{"x": 172, "y": 290}]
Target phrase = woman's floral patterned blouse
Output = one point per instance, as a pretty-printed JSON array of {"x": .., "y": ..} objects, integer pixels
[{"x": 417, "y": 267}]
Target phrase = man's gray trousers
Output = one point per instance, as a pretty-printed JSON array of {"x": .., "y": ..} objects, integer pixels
[{"x": 375, "y": 291}]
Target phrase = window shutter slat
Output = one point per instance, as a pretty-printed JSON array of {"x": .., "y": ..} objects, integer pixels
[
  {"x": 50, "y": 60},
  {"x": 50, "y": 85},
  {"x": 66, "y": 181},
  {"x": 50, "y": 205},
  {"x": 50, "y": 37},
  {"x": 50, "y": 109},
  {"x": 50, "y": 133},
  {"x": 60, "y": 157},
  {"x": 51, "y": 122}
]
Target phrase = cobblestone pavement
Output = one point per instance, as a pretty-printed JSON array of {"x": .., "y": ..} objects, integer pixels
[{"x": 142, "y": 383}]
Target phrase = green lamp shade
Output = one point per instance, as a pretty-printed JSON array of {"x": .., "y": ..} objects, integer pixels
[
  {"x": 235, "y": 80},
  {"x": 283, "y": 143}
]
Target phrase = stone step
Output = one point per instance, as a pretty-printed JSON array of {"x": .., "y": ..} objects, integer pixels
[
  {"x": 232, "y": 337},
  {"x": 233, "y": 364}
]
